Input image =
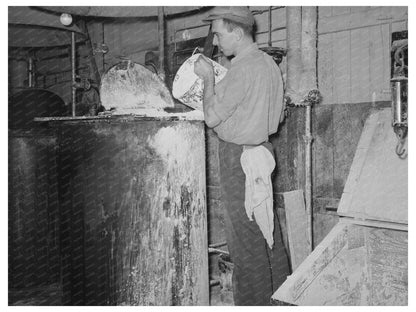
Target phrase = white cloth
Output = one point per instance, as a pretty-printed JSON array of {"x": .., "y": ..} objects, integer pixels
[{"x": 258, "y": 164}]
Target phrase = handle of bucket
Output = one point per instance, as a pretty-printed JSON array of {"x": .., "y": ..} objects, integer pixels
[{"x": 196, "y": 49}]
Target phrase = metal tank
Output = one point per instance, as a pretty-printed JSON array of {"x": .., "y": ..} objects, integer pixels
[
  {"x": 33, "y": 210},
  {"x": 132, "y": 198},
  {"x": 133, "y": 210}
]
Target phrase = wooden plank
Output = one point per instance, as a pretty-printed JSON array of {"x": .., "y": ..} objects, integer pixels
[
  {"x": 262, "y": 20},
  {"x": 378, "y": 62},
  {"x": 323, "y": 223},
  {"x": 295, "y": 149},
  {"x": 377, "y": 183},
  {"x": 325, "y": 205},
  {"x": 324, "y": 11},
  {"x": 342, "y": 67},
  {"x": 357, "y": 163},
  {"x": 281, "y": 219},
  {"x": 371, "y": 17},
  {"x": 376, "y": 224},
  {"x": 388, "y": 266},
  {"x": 277, "y": 38},
  {"x": 296, "y": 222},
  {"x": 360, "y": 66},
  {"x": 279, "y": 142},
  {"x": 386, "y": 47},
  {"x": 360, "y": 8},
  {"x": 344, "y": 281},
  {"x": 323, "y": 254},
  {"x": 349, "y": 120},
  {"x": 340, "y": 10},
  {"x": 369, "y": 267},
  {"x": 325, "y": 68},
  {"x": 323, "y": 151},
  {"x": 399, "y": 26},
  {"x": 190, "y": 23}
]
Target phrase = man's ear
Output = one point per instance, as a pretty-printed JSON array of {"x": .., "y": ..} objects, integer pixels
[{"x": 239, "y": 33}]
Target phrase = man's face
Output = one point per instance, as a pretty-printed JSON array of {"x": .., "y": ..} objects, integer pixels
[{"x": 224, "y": 39}]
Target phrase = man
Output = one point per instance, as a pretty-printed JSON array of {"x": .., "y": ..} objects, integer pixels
[{"x": 243, "y": 109}]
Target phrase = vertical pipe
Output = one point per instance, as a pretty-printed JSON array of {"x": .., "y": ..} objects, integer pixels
[
  {"x": 30, "y": 72},
  {"x": 308, "y": 82},
  {"x": 103, "y": 41},
  {"x": 161, "y": 28},
  {"x": 91, "y": 57},
  {"x": 308, "y": 174},
  {"x": 73, "y": 72}
]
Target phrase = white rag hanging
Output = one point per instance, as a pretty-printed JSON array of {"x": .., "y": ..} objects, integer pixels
[{"x": 258, "y": 165}]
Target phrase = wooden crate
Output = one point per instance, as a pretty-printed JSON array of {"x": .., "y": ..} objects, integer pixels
[{"x": 364, "y": 259}]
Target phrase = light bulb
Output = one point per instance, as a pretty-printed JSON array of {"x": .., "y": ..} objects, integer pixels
[{"x": 66, "y": 19}]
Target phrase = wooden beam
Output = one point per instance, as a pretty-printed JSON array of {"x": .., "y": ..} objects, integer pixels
[
  {"x": 294, "y": 55},
  {"x": 323, "y": 254},
  {"x": 296, "y": 223},
  {"x": 373, "y": 16}
]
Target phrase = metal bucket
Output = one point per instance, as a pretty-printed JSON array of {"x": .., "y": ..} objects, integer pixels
[{"x": 188, "y": 87}]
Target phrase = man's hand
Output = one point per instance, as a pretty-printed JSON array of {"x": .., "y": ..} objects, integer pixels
[{"x": 203, "y": 68}]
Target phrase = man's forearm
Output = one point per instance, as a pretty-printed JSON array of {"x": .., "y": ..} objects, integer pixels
[{"x": 211, "y": 118}]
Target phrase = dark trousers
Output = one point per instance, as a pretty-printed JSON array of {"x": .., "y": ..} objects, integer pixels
[{"x": 258, "y": 271}]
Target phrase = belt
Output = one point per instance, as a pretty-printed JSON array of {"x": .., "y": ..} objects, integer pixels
[{"x": 249, "y": 146}]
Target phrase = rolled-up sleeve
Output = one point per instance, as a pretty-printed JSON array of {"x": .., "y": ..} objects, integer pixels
[{"x": 230, "y": 93}]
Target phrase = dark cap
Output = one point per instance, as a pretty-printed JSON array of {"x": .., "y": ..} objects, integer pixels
[{"x": 239, "y": 14}]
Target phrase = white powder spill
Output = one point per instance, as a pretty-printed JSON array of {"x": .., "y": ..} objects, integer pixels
[
  {"x": 171, "y": 144},
  {"x": 152, "y": 112},
  {"x": 132, "y": 86}
]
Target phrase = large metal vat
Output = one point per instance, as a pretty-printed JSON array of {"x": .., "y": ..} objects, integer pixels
[
  {"x": 33, "y": 210},
  {"x": 133, "y": 210},
  {"x": 29, "y": 103}
]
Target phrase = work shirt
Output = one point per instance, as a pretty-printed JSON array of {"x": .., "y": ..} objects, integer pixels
[{"x": 249, "y": 99}]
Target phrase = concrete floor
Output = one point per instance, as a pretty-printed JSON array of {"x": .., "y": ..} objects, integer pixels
[
  {"x": 220, "y": 297},
  {"x": 52, "y": 295}
]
